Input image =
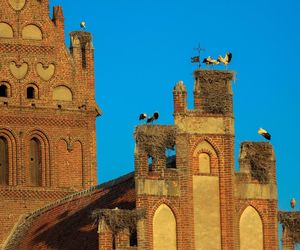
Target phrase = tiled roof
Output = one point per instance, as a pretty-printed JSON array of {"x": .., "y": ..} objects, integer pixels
[{"x": 67, "y": 223}]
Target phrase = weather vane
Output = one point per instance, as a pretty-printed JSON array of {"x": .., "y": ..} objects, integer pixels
[{"x": 196, "y": 59}]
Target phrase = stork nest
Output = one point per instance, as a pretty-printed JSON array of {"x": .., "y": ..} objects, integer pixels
[
  {"x": 155, "y": 139},
  {"x": 215, "y": 98},
  {"x": 259, "y": 155},
  {"x": 214, "y": 75},
  {"x": 291, "y": 221},
  {"x": 214, "y": 88},
  {"x": 84, "y": 37},
  {"x": 119, "y": 219}
]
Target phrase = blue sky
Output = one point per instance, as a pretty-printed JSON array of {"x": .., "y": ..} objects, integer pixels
[{"x": 143, "y": 47}]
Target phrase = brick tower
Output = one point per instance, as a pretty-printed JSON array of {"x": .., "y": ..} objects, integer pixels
[
  {"x": 47, "y": 107},
  {"x": 195, "y": 199}
]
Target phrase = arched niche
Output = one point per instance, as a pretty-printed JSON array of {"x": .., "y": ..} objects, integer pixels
[
  {"x": 32, "y": 91},
  {"x": 204, "y": 146},
  {"x": 251, "y": 230},
  {"x": 205, "y": 158},
  {"x": 35, "y": 162},
  {"x": 4, "y": 166},
  {"x": 37, "y": 159},
  {"x": 164, "y": 229},
  {"x": 5, "y": 90},
  {"x": 62, "y": 93},
  {"x": 8, "y": 157},
  {"x": 6, "y": 30},
  {"x": 204, "y": 163},
  {"x": 32, "y": 32}
]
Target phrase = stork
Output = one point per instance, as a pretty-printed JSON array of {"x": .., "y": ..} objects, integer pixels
[
  {"x": 82, "y": 25},
  {"x": 264, "y": 133},
  {"x": 153, "y": 117},
  {"x": 209, "y": 61},
  {"x": 143, "y": 116},
  {"x": 293, "y": 203},
  {"x": 226, "y": 60}
]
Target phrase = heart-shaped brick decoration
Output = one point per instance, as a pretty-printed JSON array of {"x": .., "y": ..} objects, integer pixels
[
  {"x": 45, "y": 72},
  {"x": 17, "y": 4},
  {"x": 18, "y": 71}
]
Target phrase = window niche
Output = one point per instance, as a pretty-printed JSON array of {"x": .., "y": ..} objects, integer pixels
[
  {"x": 171, "y": 157},
  {"x": 3, "y": 161},
  {"x": 133, "y": 239},
  {"x": 150, "y": 162},
  {"x": 30, "y": 93},
  {"x": 35, "y": 162},
  {"x": 4, "y": 91}
]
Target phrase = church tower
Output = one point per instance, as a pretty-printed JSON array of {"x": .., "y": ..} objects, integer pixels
[{"x": 47, "y": 110}]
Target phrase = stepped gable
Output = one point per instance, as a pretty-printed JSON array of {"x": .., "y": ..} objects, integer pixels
[{"x": 65, "y": 223}]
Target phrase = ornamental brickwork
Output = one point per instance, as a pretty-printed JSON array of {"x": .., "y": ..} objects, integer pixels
[{"x": 47, "y": 110}]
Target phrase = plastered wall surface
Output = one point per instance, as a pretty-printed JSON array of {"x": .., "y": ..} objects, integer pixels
[
  {"x": 164, "y": 229},
  {"x": 251, "y": 230},
  {"x": 207, "y": 212},
  {"x": 205, "y": 125}
]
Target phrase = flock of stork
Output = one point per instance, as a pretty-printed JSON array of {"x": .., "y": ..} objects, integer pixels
[
  {"x": 210, "y": 61},
  {"x": 225, "y": 60},
  {"x": 143, "y": 116}
]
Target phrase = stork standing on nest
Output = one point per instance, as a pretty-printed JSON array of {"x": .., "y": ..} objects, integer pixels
[
  {"x": 209, "y": 61},
  {"x": 142, "y": 116},
  {"x": 226, "y": 60},
  {"x": 264, "y": 133},
  {"x": 153, "y": 117},
  {"x": 293, "y": 203},
  {"x": 83, "y": 25}
]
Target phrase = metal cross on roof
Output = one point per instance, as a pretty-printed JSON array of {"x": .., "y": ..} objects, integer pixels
[{"x": 197, "y": 58}]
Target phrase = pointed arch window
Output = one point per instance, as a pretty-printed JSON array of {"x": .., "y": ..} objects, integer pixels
[
  {"x": 35, "y": 162},
  {"x": 3, "y": 161}
]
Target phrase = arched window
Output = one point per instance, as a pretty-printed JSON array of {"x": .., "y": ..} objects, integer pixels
[
  {"x": 3, "y": 90},
  {"x": 30, "y": 93},
  {"x": 35, "y": 162},
  {"x": 3, "y": 161}
]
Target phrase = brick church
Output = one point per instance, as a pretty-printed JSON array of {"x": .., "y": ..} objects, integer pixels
[{"x": 49, "y": 199}]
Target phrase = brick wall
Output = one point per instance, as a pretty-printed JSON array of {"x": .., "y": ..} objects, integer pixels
[{"x": 65, "y": 128}]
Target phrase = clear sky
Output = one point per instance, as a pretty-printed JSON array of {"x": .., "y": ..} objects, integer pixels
[{"x": 143, "y": 47}]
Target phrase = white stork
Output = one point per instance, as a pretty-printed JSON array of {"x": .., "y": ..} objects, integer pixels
[{"x": 264, "y": 133}]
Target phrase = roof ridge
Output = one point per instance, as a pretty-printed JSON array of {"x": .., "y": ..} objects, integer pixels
[{"x": 25, "y": 222}]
